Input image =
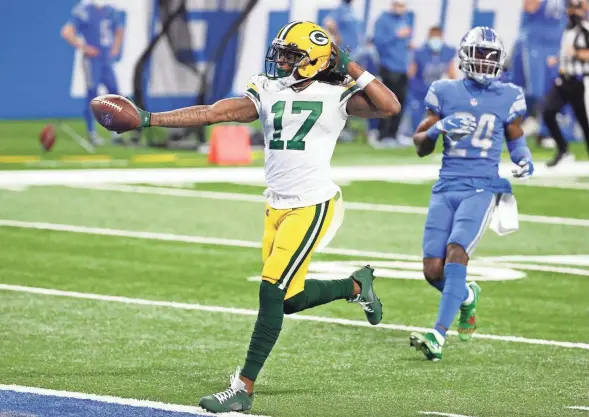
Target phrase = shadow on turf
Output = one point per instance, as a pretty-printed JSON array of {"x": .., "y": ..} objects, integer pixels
[{"x": 273, "y": 391}]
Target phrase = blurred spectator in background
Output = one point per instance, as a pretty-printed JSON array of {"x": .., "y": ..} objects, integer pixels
[
  {"x": 367, "y": 57},
  {"x": 535, "y": 55},
  {"x": 344, "y": 27},
  {"x": 346, "y": 30},
  {"x": 96, "y": 29},
  {"x": 433, "y": 61},
  {"x": 392, "y": 36},
  {"x": 571, "y": 85}
]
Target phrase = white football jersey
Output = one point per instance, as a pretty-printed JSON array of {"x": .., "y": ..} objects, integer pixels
[{"x": 301, "y": 129}]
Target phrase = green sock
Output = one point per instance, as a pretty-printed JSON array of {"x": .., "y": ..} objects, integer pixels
[
  {"x": 319, "y": 292},
  {"x": 266, "y": 329}
]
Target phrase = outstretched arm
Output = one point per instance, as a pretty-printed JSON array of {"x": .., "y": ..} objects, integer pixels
[
  {"x": 423, "y": 143},
  {"x": 241, "y": 110},
  {"x": 375, "y": 101}
]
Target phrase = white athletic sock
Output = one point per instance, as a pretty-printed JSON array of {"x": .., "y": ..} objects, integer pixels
[
  {"x": 469, "y": 298},
  {"x": 441, "y": 339}
]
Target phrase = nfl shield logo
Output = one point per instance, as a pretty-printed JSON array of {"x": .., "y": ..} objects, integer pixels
[
  {"x": 474, "y": 101},
  {"x": 106, "y": 118}
]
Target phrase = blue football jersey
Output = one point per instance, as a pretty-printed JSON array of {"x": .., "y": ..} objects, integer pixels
[
  {"x": 493, "y": 107},
  {"x": 98, "y": 26},
  {"x": 431, "y": 67}
]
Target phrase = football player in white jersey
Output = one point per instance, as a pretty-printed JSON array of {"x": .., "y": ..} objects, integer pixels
[{"x": 303, "y": 100}]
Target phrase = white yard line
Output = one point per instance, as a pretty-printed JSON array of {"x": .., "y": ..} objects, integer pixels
[
  {"x": 532, "y": 267},
  {"x": 189, "y": 239},
  {"x": 435, "y": 413},
  {"x": 116, "y": 400},
  {"x": 492, "y": 261},
  {"x": 215, "y": 195},
  {"x": 578, "y": 407},
  {"x": 248, "y": 312}
]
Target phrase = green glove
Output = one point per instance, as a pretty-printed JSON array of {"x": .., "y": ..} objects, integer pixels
[
  {"x": 144, "y": 116},
  {"x": 339, "y": 60}
]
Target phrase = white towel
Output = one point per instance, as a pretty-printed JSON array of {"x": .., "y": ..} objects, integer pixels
[
  {"x": 336, "y": 221},
  {"x": 505, "y": 220}
]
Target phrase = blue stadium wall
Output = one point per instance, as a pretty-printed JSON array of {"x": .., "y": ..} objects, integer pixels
[{"x": 40, "y": 75}]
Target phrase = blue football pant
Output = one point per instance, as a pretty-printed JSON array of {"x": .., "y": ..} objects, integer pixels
[
  {"x": 96, "y": 73},
  {"x": 459, "y": 217}
]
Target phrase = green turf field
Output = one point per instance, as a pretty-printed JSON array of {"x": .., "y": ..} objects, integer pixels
[{"x": 195, "y": 259}]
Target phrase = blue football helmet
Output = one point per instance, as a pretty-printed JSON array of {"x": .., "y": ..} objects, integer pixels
[{"x": 482, "y": 55}]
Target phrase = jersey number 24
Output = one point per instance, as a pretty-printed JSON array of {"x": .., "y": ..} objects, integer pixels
[
  {"x": 297, "y": 142},
  {"x": 482, "y": 136}
]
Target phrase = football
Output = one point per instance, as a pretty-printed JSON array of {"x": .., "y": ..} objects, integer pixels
[
  {"x": 115, "y": 113},
  {"x": 47, "y": 137}
]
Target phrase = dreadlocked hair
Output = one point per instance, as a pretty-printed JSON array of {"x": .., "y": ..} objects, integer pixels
[{"x": 329, "y": 77}]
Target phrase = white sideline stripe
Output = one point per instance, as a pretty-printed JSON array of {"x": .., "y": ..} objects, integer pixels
[
  {"x": 578, "y": 407},
  {"x": 217, "y": 195},
  {"x": 248, "y": 312},
  {"x": 435, "y": 413},
  {"x": 414, "y": 172},
  {"x": 188, "y": 238},
  {"x": 115, "y": 400}
]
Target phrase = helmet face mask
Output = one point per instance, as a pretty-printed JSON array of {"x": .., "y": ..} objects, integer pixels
[
  {"x": 482, "y": 55},
  {"x": 282, "y": 60}
]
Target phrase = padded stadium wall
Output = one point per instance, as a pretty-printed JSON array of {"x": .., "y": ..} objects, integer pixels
[{"x": 43, "y": 75}]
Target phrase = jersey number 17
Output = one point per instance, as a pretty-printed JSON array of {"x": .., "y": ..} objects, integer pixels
[{"x": 297, "y": 142}]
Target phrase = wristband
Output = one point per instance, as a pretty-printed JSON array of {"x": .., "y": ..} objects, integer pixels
[
  {"x": 518, "y": 150},
  {"x": 145, "y": 118},
  {"x": 433, "y": 133},
  {"x": 364, "y": 79}
]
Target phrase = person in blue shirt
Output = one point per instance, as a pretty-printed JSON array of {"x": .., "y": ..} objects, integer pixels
[
  {"x": 346, "y": 30},
  {"x": 367, "y": 57},
  {"x": 535, "y": 54},
  {"x": 96, "y": 29},
  {"x": 344, "y": 27},
  {"x": 475, "y": 116},
  {"x": 392, "y": 36},
  {"x": 434, "y": 61}
]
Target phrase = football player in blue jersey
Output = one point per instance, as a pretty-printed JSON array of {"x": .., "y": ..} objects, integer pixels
[
  {"x": 96, "y": 29},
  {"x": 474, "y": 116},
  {"x": 431, "y": 62}
]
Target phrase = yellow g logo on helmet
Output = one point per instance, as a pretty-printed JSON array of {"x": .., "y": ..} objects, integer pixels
[
  {"x": 303, "y": 46},
  {"x": 319, "y": 38}
]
